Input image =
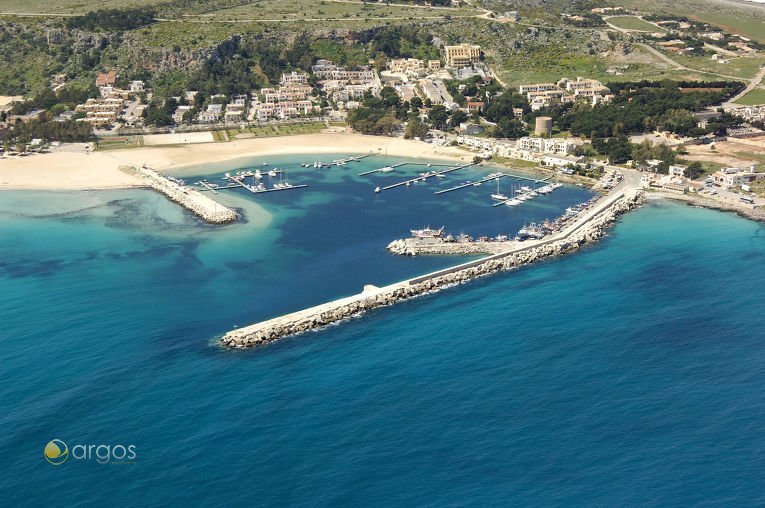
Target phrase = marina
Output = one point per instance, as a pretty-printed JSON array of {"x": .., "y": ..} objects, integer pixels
[
  {"x": 336, "y": 162},
  {"x": 589, "y": 226},
  {"x": 237, "y": 180},
  {"x": 392, "y": 167},
  {"x": 425, "y": 176}
]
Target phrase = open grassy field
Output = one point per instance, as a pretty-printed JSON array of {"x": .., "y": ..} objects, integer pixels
[
  {"x": 71, "y": 6},
  {"x": 633, "y": 23},
  {"x": 265, "y": 131},
  {"x": 745, "y": 18},
  {"x": 756, "y": 96},
  {"x": 744, "y": 68},
  {"x": 119, "y": 142},
  {"x": 748, "y": 26},
  {"x": 302, "y": 11}
]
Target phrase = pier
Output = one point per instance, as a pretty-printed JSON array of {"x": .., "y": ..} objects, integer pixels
[
  {"x": 588, "y": 227},
  {"x": 382, "y": 169},
  {"x": 399, "y": 164},
  {"x": 260, "y": 190},
  {"x": 422, "y": 178},
  {"x": 489, "y": 178}
]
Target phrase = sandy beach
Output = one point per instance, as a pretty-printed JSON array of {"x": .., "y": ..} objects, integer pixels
[
  {"x": 101, "y": 170},
  {"x": 65, "y": 171}
]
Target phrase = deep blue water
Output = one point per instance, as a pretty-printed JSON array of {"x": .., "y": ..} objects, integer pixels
[{"x": 628, "y": 373}]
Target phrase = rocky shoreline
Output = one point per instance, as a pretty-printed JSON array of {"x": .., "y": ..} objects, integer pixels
[
  {"x": 372, "y": 297},
  {"x": 757, "y": 214},
  {"x": 200, "y": 205}
]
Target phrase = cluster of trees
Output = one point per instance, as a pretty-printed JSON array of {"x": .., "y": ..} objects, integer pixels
[
  {"x": 590, "y": 19},
  {"x": 646, "y": 150},
  {"x": 407, "y": 41},
  {"x": 500, "y": 111},
  {"x": 70, "y": 131},
  {"x": 68, "y": 97},
  {"x": 378, "y": 115},
  {"x": 113, "y": 19},
  {"x": 160, "y": 113},
  {"x": 636, "y": 102},
  {"x": 678, "y": 121}
]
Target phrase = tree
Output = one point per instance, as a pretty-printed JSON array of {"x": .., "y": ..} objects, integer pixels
[
  {"x": 694, "y": 170},
  {"x": 509, "y": 127},
  {"x": 389, "y": 96},
  {"x": 416, "y": 128},
  {"x": 458, "y": 117},
  {"x": 438, "y": 116}
]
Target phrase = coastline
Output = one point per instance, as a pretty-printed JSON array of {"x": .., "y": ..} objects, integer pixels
[
  {"x": 742, "y": 210},
  {"x": 101, "y": 170},
  {"x": 66, "y": 171}
]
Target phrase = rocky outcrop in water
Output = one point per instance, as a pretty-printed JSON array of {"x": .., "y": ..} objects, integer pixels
[{"x": 372, "y": 297}]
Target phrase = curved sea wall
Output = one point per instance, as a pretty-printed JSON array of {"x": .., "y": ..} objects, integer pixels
[
  {"x": 202, "y": 206},
  {"x": 372, "y": 297}
]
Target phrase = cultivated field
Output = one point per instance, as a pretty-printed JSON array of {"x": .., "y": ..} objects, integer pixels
[
  {"x": 756, "y": 96},
  {"x": 633, "y": 23}
]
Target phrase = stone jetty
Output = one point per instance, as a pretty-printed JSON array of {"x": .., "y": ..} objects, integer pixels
[
  {"x": 413, "y": 247},
  {"x": 202, "y": 206},
  {"x": 587, "y": 229}
]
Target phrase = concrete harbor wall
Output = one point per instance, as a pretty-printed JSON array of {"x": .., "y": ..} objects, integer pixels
[
  {"x": 589, "y": 228},
  {"x": 202, "y": 206}
]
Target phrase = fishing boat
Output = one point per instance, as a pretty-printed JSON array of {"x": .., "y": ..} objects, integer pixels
[{"x": 427, "y": 232}]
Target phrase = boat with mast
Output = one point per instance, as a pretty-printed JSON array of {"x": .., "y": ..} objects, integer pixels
[{"x": 499, "y": 196}]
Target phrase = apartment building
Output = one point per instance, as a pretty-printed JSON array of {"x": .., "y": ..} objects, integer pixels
[
  {"x": 547, "y": 145},
  {"x": 101, "y": 112},
  {"x": 294, "y": 78},
  {"x": 462, "y": 55}
]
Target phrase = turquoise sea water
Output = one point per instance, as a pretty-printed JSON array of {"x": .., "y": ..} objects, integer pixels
[{"x": 628, "y": 373}]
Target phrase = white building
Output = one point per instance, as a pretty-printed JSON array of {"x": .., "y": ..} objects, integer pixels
[
  {"x": 137, "y": 86},
  {"x": 294, "y": 78},
  {"x": 212, "y": 114},
  {"x": 180, "y": 111},
  {"x": 547, "y": 145}
]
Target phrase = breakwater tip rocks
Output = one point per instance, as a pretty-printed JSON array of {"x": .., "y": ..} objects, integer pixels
[
  {"x": 203, "y": 207},
  {"x": 588, "y": 230}
]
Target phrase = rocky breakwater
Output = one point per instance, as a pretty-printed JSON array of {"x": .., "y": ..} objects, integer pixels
[
  {"x": 202, "y": 206},
  {"x": 588, "y": 231},
  {"x": 411, "y": 247}
]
